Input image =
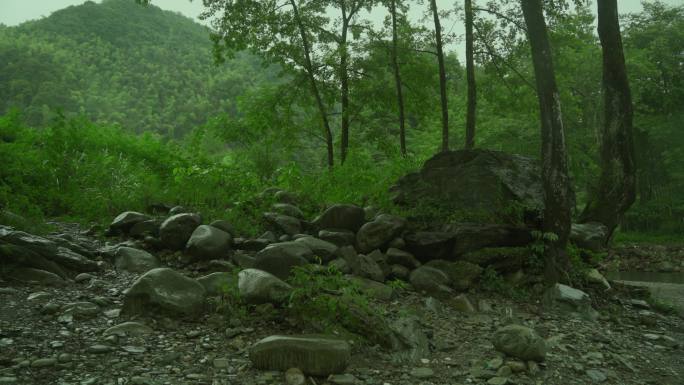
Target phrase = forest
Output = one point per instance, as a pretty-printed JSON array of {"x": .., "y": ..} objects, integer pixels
[{"x": 533, "y": 153}]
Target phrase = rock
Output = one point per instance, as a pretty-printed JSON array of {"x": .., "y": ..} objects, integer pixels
[
  {"x": 288, "y": 209},
  {"x": 208, "y": 242},
  {"x": 40, "y": 277},
  {"x": 339, "y": 238},
  {"x": 283, "y": 196},
  {"x": 74, "y": 261},
  {"x": 223, "y": 225},
  {"x": 99, "y": 349},
  {"x": 432, "y": 281},
  {"x": 257, "y": 287},
  {"x": 322, "y": 249},
  {"x": 22, "y": 256},
  {"x": 341, "y": 216},
  {"x": 401, "y": 257},
  {"x": 126, "y": 220},
  {"x": 501, "y": 259},
  {"x": 343, "y": 379},
  {"x": 43, "y": 362},
  {"x": 596, "y": 375},
  {"x": 568, "y": 299},
  {"x": 378, "y": 233},
  {"x": 313, "y": 354},
  {"x": 399, "y": 272},
  {"x": 591, "y": 235},
  {"x": 462, "y": 304},
  {"x": 478, "y": 181},
  {"x": 135, "y": 260},
  {"x": 366, "y": 267},
  {"x": 593, "y": 276},
  {"x": 470, "y": 237},
  {"x": 216, "y": 284},
  {"x": 497, "y": 381},
  {"x": 81, "y": 310},
  {"x": 176, "y": 230},
  {"x": 422, "y": 373},
  {"x": 428, "y": 245},
  {"x": 374, "y": 289},
  {"x": 175, "y": 210},
  {"x": 145, "y": 228},
  {"x": 128, "y": 329},
  {"x": 294, "y": 376},
  {"x": 462, "y": 275},
  {"x": 341, "y": 265},
  {"x": 414, "y": 341},
  {"x": 520, "y": 342},
  {"x": 164, "y": 290},
  {"x": 279, "y": 258},
  {"x": 287, "y": 224}
]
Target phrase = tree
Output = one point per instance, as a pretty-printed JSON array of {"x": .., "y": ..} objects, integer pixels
[
  {"x": 281, "y": 33},
  {"x": 555, "y": 180},
  {"x": 397, "y": 79},
  {"x": 470, "y": 74},
  {"x": 442, "y": 76},
  {"x": 616, "y": 187}
]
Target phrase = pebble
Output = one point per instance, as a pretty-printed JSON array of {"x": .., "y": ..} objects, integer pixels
[
  {"x": 498, "y": 381},
  {"x": 342, "y": 379},
  {"x": 43, "y": 362},
  {"x": 294, "y": 376},
  {"x": 422, "y": 373},
  {"x": 38, "y": 296},
  {"x": 83, "y": 277},
  {"x": 99, "y": 349},
  {"x": 596, "y": 375},
  {"x": 221, "y": 363}
]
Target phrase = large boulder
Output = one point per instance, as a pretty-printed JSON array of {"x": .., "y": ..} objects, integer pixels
[
  {"x": 315, "y": 355},
  {"x": 470, "y": 237},
  {"x": 257, "y": 286},
  {"x": 590, "y": 235},
  {"x": 279, "y": 258},
  {"x": 145, "y": 228},
  {"x": 217, "y": 283},
  {"x": 284, "y": 223},
  {"x": 520, "y": 342},
  {"x": 462, "y": 275},
  {"x": 134, "y": 260},
  {"x": 288, "y": 209},
  {"x": 341, "y": 216},
  {"x": 367, "y": 267},
  {"x": 176, "y": 230},
  {"x": 569, "y": 300},
  {"x": 74, "y": 261},
  {"x": 428, "y": 245},
  {"x": 340, "y": 238},
  {"x": 36, "y": 276},
  {"x": 322, "y": 249},
  {"x": 126, "y": 220},
  {"x": 478, "y": 182},
  {"x": 208, "y": 242},
  {"x": 432, "y": 281},
  {"x": 501, "y": 259},
  {"x": 379, "y": 232},
  {"x": 401, "y": 257},
  {"x": 165, "y": 291}
]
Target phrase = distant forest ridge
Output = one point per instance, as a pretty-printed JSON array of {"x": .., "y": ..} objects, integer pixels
[{"x": 118, "y": 62}]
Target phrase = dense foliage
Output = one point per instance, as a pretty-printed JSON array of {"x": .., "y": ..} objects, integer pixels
[
  {"x": 248, "y": 129},
  {"x": 116, "y": 62}
]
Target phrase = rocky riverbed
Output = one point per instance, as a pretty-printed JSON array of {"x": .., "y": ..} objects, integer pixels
[{"x": 78, "y": 330}]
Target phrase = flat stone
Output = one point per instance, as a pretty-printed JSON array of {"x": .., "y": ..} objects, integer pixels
[
  {"x": 497, "y": 381},
  {"x": 128, "y": 328},
  {"x": 343, "y": 379},
  {"x": 316, "y": 355},
  {"x": 8, "y": 380},
  {"x": 43, "y": 362},
  {"x": 221, "y": 363},
  {"x": 422, "y": 373},
  {"x": 520, "y": 342},
  {"x": 99, "y": 349},
  {"x": 596, "y": 375}
]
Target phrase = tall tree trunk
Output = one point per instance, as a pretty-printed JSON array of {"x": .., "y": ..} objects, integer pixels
[
  {"x": 470, "y": 74},
  {"x": 314, "y": 85},
  {"x": 344, "y": 86},
  {"x": 617, "y": 183},
  {"x": 397, "y": 79},
  {"x": 442, "y": 77},
  {"x": 557, "y": 192}
]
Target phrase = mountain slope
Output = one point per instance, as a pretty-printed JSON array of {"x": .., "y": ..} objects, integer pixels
[{"x": 118, "y": 62}]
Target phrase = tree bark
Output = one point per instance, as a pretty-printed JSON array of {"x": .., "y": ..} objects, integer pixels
[
  {"x": 617, "y": 184},
  {"x": 314, "y": 85},
  {"x": 442, "y": 77},
  {"x": 344, "y": 86},
  {"x": 555, "y": 180},
  {"x": 470, "y": 75},
  {"x": 397, "y": 79}
]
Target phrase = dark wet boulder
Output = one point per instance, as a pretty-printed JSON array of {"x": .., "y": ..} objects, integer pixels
[
  {"x": 341, "y": 216},
  {"x": 177, "y": 229}
]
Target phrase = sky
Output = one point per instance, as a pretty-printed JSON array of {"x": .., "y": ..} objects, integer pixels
[{"x": 14, "y": 12}]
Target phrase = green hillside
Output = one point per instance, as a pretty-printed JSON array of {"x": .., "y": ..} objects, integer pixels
[{"x": 119, "y": 62}]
